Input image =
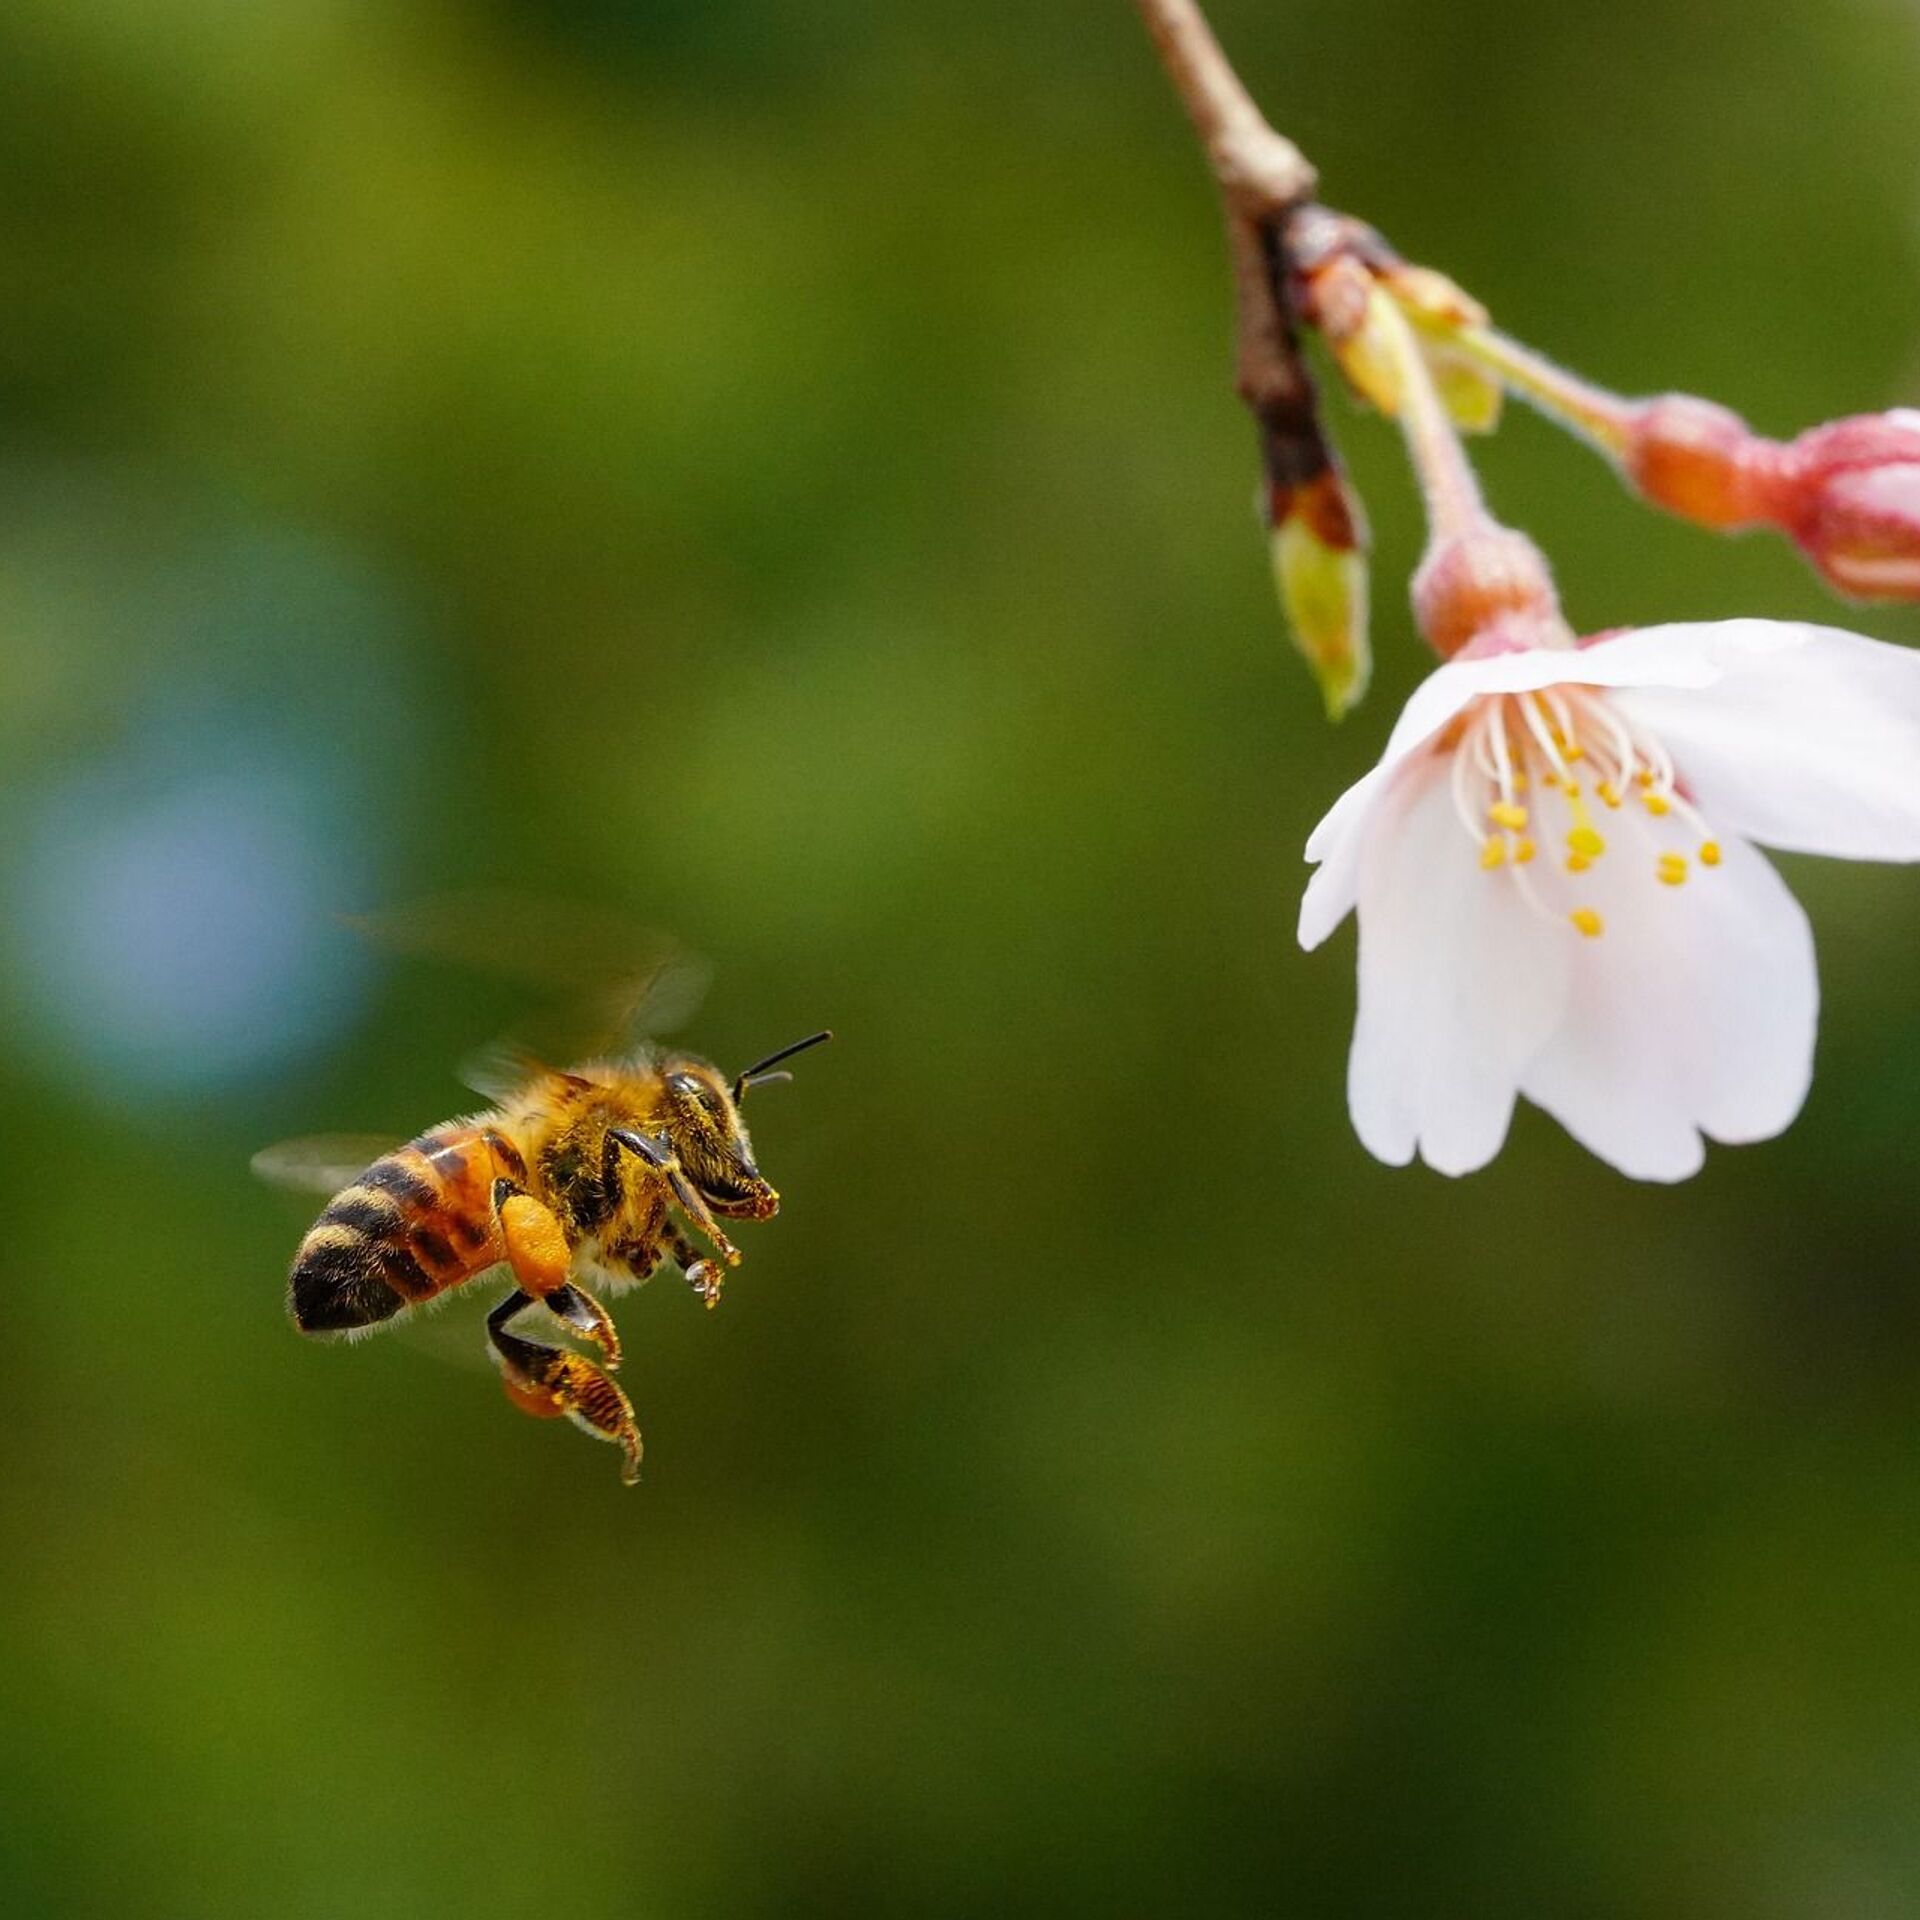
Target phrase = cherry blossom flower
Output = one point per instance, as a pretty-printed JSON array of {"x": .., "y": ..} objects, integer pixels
[{"x": 1559, "y": 891}]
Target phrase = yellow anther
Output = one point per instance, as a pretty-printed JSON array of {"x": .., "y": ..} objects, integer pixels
[
  {"x": 1710, "y": 853},
  {"x": 1583, "y": 840},
  {"x": 1578, "y": 862},
  {"x": 1493, "y": 852},
  {"x": 1574, "y": 750},
  {"x": 1657, "y": 804},
  {"x": 1523, "y": 852},
  {"x": 1672, "y": 868},
  {"x": 1519, "y": 782},
  {"x": 1503, "y": 813},
  {"x": 1608, "y": 792},
  {"x": 1588, "y": 922},
  {"x": 1643, "y": 776}
]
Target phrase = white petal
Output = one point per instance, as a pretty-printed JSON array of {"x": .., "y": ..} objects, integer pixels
[
  {"x": 1815, "y": 748},
  {"x": 1459, "y": 985},
  {"x": 1336, "y": 844},
  {"x": 1652, "y": 656},
  {"x": 1677, "y": 656},
  {"x": 1694, "y": 1010}
]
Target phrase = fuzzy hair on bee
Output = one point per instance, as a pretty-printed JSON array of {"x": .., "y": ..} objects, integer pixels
[{"x": 577, "y": 1179}]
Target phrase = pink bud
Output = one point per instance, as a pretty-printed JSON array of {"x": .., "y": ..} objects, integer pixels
[
  {"x": 1698, "y": 460},
  {"x": 1486, "y": 591},
  {"x": 1849, "y": 495}
]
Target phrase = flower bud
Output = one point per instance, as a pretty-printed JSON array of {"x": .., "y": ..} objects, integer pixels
[
  {"x": 1320, "y": 567},
  {"x": 1488, "y": 590},
  {"x": 1698, "y": 460},
  {"x": 1353, "y": 314},
  {"x": 1470, "y": 394},
  {"x": 1849, "y": 495}
]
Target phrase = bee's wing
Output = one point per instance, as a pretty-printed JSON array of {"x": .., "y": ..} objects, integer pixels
[
  {"x": 610, "y": 983},
  {"x": 561, "y": 947},
  {"x": 452, "y": 1329},
  {"x": 323, "y": 1162},
  {"x": 612, "y": 1020}
]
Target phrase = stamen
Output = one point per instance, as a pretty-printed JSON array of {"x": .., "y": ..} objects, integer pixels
[
  {"x": 1588, "y": 922},
  {"x": 1461, "y": 768},
  {"x": 1660, "y": 761},
  {"x": 1620, "y": 736},
  {"x": 1509, "y": 778},
  {"x": 1529, "y": 712},
  {"x": 1656, "y": 804},
  {"x": 1710, "y": 853},
  {"x": 1482, "y": 751},
  {"x": 1690, "y": 814},
  {"x": 1506, "y": 814},
  {"x": 1523, "y": 851},
  {"x": 1493, "y": 852},
  {"x": 1672, "y": 868},
  {"x": 1529, "y": 895}
]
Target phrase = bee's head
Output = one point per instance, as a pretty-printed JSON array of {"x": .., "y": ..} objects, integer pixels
[{"x": 709, "y": 1137}]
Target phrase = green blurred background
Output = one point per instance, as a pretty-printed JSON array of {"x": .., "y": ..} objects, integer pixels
[{"x": 772, "y": 469}]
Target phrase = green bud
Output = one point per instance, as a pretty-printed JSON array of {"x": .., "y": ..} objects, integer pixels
[{"x": 1320, "y": 567}]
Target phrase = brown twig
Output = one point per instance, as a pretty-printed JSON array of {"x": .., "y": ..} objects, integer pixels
[
  {"x": 1270, "y": 374},
  {"x": 1263, "y": 179},
  {"x": 1261, "y": 173}
]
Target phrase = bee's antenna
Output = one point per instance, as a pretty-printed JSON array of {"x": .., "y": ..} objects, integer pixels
[{"x": 758, "y": 1071}]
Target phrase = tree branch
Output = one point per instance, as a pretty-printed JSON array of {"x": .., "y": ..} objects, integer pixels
[{"x": 1261, "y": 173}]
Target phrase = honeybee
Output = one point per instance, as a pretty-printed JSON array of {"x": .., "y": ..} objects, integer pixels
[{"x": 576, "y": 1179}]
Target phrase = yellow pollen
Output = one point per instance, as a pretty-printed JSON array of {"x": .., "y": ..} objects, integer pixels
[
  {"x": 1588, "y": 922},
  {"x": 1578, "y": 862},
  {"x": 1710, "y": 853},
  {"x": 1608, "y": 792},
  {"x": 1493, "y": 852},
  {"x": 1657, "y": 804},
  {"x": 1672, "y": 868},
  {"x": 1575, "y": 751},
  {"x": 1643, "y": 776},
  {"x": 1505, "y": 814},
  {"x": 1583, "y": 840},
  {"x": 1519, "y": 782},
  {"x": 1523, "y": 852}
]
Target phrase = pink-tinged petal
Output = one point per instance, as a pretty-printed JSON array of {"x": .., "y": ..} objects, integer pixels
[
  {"x": 1813, "y": 748},
  {"x": 1336, "y": 844},
  {"x": 1694, "y": 1010},
  {"x": 1678, "y": 656},
  {"x": 1763, "y": 1006},
  {"x": 1459, "y": 985},
  {"x": 1653, "y": 656}
]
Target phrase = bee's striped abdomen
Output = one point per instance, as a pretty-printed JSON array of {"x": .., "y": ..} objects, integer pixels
[{"x": 418, "y": 1221}]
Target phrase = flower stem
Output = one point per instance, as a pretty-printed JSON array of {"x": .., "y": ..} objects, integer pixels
[
  {"x": 1447, "y": 482},
  {"x": 1602, "y": 418}
]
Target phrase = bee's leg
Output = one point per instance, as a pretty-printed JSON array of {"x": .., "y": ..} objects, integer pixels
[
  {"x": 548, "y": 1382},
  {"x": 703, "y": 1275},
  {"x": 542, "y": 1261},
  {"x": 660, "y": 1156}
]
